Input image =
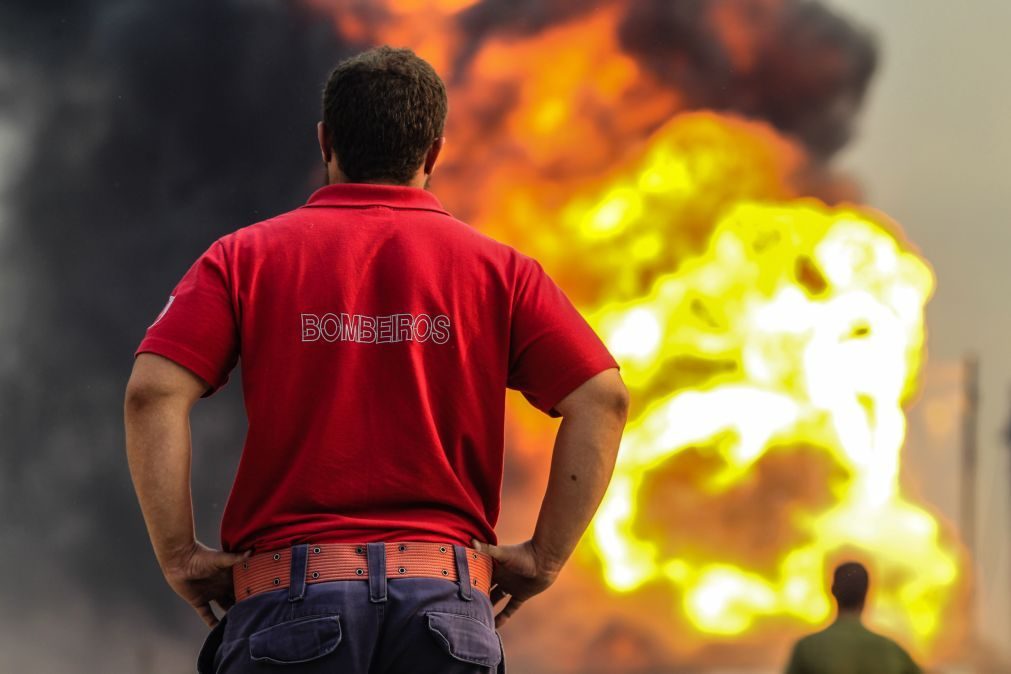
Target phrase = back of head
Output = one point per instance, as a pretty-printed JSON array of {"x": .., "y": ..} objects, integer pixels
[
  {"x": 849, "y": 586},
  {"x": 383, "y": 109}
]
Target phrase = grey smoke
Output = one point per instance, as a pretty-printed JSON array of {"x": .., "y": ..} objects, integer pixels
[
  {"x": 150, "y": 128},
  {"x": 808, "y": 73},
  {"x": 809, "y": 68},
  {"x": 145, "y": 130}
]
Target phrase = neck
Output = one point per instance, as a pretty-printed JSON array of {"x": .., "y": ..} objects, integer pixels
[
  {"x": 850, "y": 613},
  {"x": 336, "y": 177}
]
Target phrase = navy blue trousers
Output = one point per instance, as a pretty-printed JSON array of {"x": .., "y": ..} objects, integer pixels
[{"x": 376, "y": 626}]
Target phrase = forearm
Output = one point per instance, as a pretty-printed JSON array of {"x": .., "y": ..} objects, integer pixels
[
  {"x": 158, "y": 451},
  {"x": 581, "y": 466}
]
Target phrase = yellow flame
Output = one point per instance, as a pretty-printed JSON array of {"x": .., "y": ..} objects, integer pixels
[
  {"x": 811, "y": 320},
  {"x": 749, "y": 326},
  {"x": 747, "y": 321}
]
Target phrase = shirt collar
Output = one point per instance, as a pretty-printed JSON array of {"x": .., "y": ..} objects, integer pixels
[
  {"x": 357, "y": 195},
  {"x": 849, "y": 618}
]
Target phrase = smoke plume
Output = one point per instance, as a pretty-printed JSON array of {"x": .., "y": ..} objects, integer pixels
[
  {"x": 795, "y": 64},
  {"x": 146, "y": 130},
  {"x": 134, "y": 133}
]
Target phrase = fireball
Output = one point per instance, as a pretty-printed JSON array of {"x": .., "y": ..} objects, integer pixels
[
  {"x": 796, "y": 335},
  {"x": 769, "y": 340}
]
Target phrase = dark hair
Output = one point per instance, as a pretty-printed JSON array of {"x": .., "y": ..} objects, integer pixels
[
  {"x": 383, "y": 109},
  {"x": 849, "y": 585}
]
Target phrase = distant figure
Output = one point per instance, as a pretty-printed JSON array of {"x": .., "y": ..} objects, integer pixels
[{"x": 846, "y": 646}]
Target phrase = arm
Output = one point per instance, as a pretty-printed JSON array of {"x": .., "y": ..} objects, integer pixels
[
  {"x": 794, "y": 665},
  {"x": 159, "y": 397},
  {"x": 910, "y": 666},
  {"x": 593, "y": 418}
]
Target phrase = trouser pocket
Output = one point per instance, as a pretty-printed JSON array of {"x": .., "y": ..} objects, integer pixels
[
  {"x": 467, "y": 640},
  {"x": 296, "y": 641}
]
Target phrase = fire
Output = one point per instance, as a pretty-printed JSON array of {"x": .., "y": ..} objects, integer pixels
[
  {"x": 770, "y": 341},
  {"x": 806, "y": 324}
]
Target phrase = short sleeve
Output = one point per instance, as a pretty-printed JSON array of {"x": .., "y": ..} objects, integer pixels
[
  {"x": 197, "y": 329},
  {"x": 552, "y": 349}
]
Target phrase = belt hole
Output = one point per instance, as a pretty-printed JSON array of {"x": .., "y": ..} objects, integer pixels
[
  {"x": 402, "y": 548},
  {"x": 315, "y": 574},
  {"x": 442, "y": 548},
  {"x": 277, "y": 556},
  {"x": 315, "y": 550},
  {"x": 445, "y": 573},
  {"x": 249, "y": 590},
  {"x": 475, "y": 582},
  {"x": 402, "y": 570},
  {"x": 359, "y": 572},
  {"x": 277, "y": 581},
  {"x": 358, "y": 550},
  {"x": 475, "y": 555},
  {"x": 245, "y": 565}
]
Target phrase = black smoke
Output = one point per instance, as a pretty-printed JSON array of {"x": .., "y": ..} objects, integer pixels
[
  {"x": 793, "y": 63},
  {"x": 147, "y": 129}
]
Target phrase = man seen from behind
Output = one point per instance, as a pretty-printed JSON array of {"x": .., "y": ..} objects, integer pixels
[
  {"x": 377, "y": 336},
  {"x": 846, "y": 646}
]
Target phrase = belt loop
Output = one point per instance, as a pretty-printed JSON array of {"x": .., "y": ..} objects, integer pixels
[
  {"x": 296, "y": 581},
  {"x": 376, "y": 554},
  {"x": 463, "y": 572}
]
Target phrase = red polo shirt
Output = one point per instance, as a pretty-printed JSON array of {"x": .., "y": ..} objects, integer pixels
[{"x": 377, "y": 336}]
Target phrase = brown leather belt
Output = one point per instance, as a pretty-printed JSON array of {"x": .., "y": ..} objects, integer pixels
[{"x": 267, "y": 571}]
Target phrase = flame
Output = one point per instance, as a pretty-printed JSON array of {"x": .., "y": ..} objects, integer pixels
[
  {"x": 769, "y": 341},
  {"x": 809, "y": 324}
]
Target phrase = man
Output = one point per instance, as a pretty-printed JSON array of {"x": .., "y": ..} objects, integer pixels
[
  {"x": 846, "y": 646},
  {"x": 377, "y": 336}
]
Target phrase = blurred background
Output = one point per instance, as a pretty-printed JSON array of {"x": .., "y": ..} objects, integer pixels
[{"x": 786, "y": 218}]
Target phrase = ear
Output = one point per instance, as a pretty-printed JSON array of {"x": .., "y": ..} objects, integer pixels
[
  {"x": 433, "y": 154},
  {"x": 325, "y": 146}
]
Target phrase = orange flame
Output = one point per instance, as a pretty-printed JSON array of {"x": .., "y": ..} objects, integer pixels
[{"x": 770, "y": 343}]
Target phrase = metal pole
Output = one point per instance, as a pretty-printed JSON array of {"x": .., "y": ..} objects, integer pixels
[{"x": 970, "y": 416}]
